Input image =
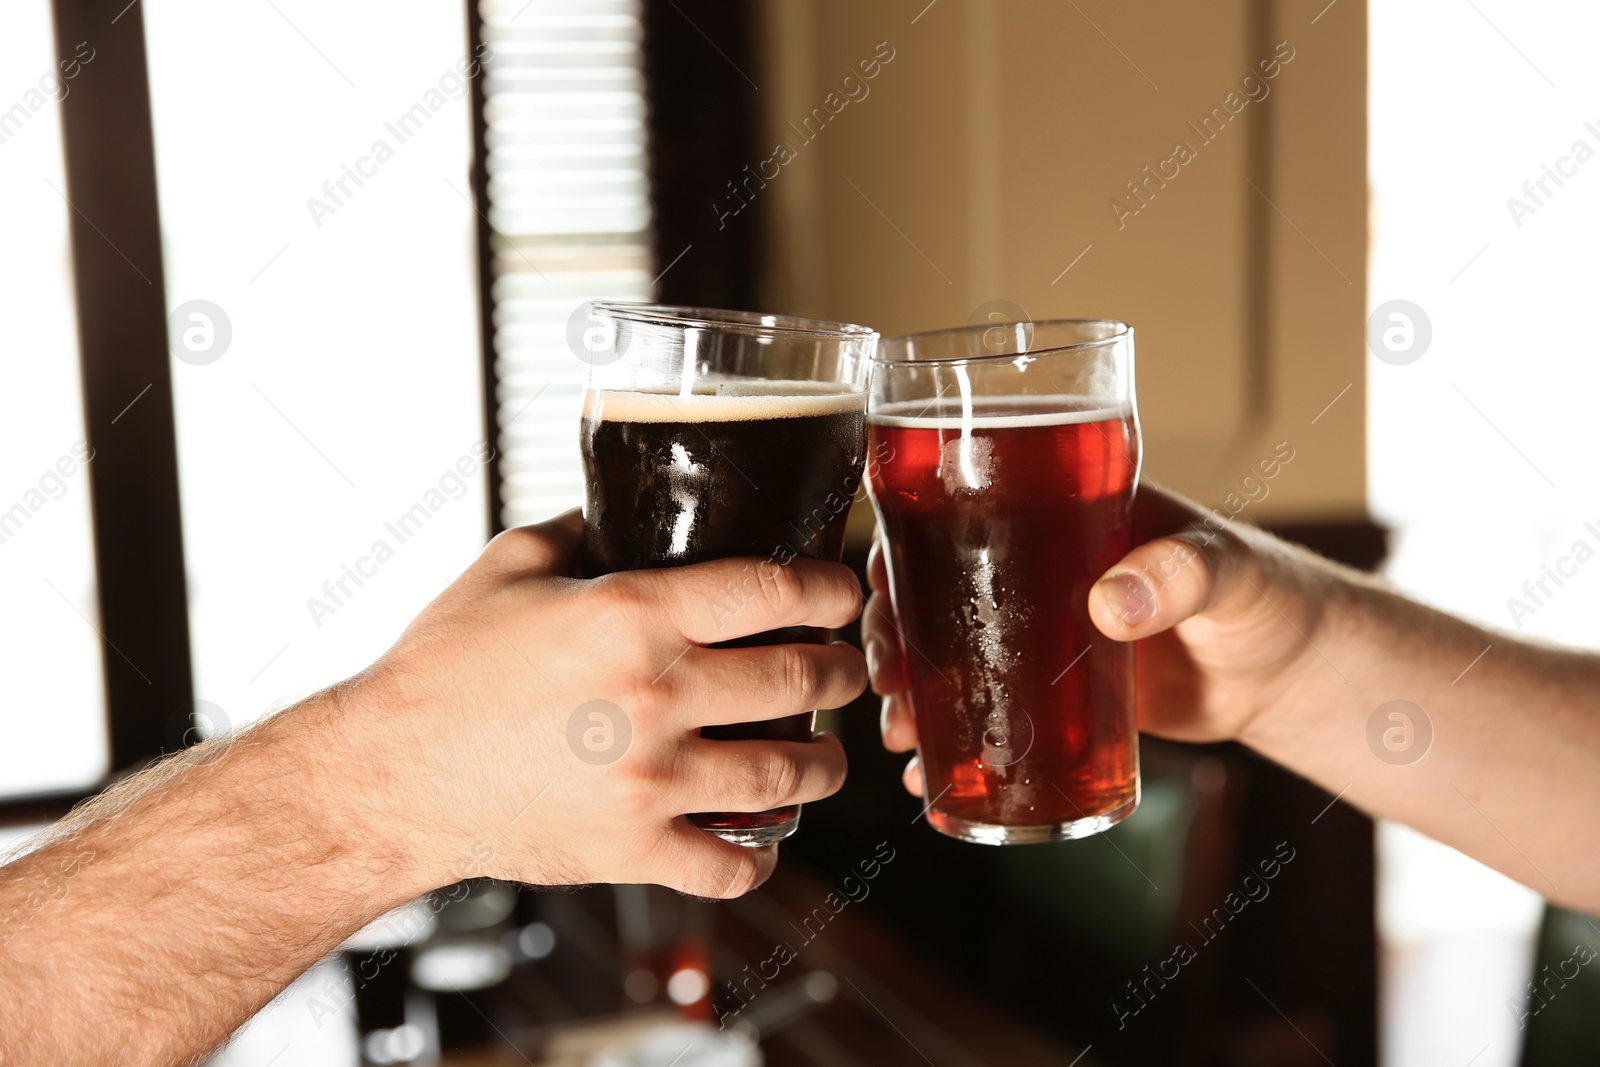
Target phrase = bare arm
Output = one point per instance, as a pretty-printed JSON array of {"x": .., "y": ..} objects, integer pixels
[
  {"x": 1244, "y": 637},
  {"x": 1511, "y": 773},
  {"x": 160, "y": 916},
  {"x": 168, "y": 911}
]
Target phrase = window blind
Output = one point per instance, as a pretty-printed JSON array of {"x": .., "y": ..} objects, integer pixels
[{"x": 569, "y": 203}]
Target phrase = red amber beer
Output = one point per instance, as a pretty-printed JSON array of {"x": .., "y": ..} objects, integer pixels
[
  {"x": 1007, "y": 460},
  {"x": 709, "y": 434}
]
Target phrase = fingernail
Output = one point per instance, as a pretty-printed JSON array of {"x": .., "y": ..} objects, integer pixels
[{"x": 1130, "y": 598}]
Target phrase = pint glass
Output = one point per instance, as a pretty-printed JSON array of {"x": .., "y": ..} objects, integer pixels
[
  {"x": 1005, "y": 459},
  {"x": 708, "y": 434}
]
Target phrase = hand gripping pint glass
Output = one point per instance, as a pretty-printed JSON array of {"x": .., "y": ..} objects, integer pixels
[
  {"x": 708, "y": 434},
  {"x": 1005, "y": 462}
]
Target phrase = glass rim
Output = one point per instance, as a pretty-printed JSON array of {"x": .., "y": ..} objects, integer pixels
[
  {"x": 756, "y": 322},
  {"x": 1121, "y": 331}
]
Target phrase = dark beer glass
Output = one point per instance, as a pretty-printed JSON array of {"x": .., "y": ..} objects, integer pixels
[
  {"x": 708, "y": 434},
  {"x": 1005, "y": 459}
]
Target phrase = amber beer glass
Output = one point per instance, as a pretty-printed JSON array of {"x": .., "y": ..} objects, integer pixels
[
  {"x": 1005, "y": 461},
  {"x": 708, "y": 434}
]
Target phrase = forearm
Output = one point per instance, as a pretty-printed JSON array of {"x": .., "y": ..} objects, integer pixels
[
  {"x": 161, "y": 917},
  {"x": 1511, "y": 774}
]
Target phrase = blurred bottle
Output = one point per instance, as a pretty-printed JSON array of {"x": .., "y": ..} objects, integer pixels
[
  {"x": 395, "y": 1023},
  {"x": 465, "y": 964},
  {"x": 665, "y": 940}
]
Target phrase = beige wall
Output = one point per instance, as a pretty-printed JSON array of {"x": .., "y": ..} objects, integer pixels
[{"x": 981, "y": 163}]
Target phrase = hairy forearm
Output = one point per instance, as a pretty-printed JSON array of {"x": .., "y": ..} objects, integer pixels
[
  {"x": 1511, "y": 772},
  {"x": 159, "y": 917}
]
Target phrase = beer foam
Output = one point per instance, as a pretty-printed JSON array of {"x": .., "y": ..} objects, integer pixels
[
  {"x": 732, "y": 402},
  {"x": 945, "y": 413}
]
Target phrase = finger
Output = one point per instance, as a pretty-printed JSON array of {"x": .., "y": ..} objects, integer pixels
[
  {"x": 546, "y": 547},
  {"x": 912, "y": 776},
  {"x": 729, "y": 598},
  {"x": 881, "y": 643},
  {"x": 877, "y": 567},
  {"x": 757, "y": 775},
  {"x": 897, "y": 726},
  {"x": 688, "y": 859},
  {"x": 715, "y": 686},
  {"x": 1159, "y": 584}
]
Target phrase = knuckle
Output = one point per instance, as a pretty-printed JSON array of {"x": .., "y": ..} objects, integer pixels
[
  {"x": 772, "y": 778},
  {"x": 508, "y": 542},
  {"x": 735, "y": 876},
  {"x": 642, "y": 701},
  {"x": 877, "y": 631},
  {"x": 1184, "y": 557},
  {"x": 616, "y": 593},
  {"x": 875, "y": 612},
  {"x": 1200, "y": 559},
  {"x": 779, "y": 588},
  {"x": 797, "y": 676},
  {"x": 858, "y": 595},
  {"x": 627, "y": 605},
  {"x": 783, "y": 782},
  {"x": 519, "y": 547},
  {"x": 1209, "y": 543},
  {"x": 640, "y": 798}
]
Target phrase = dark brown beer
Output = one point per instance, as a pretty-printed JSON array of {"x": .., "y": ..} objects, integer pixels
[
  {"x": 998, "y": 520},
  {"x": 672, "y": 480}
]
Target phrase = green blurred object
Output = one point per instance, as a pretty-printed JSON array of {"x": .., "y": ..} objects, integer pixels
[
  {"x": 1561, "y": 1013},
  {"x": 1104, "y": 888}
]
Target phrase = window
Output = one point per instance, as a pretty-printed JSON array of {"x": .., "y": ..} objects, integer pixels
[
  {"x": 55, "y": 686},
  {"x": 313, "y": 164},
  {"x": 1482, "y": 447}
]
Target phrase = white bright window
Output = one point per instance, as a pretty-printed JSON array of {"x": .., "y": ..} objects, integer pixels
[
  {"x": 313, "y": 166},
  {"x": 1482, "y": 450},
  {"x": 52, "y": 721}
]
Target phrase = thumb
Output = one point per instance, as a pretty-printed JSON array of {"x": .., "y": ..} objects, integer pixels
[{"x": 1160, "y": 584}]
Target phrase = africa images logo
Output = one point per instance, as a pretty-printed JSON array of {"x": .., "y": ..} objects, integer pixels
[
  {"x": 1399, "y": 733},
  {"x": 599, "y": 732}
]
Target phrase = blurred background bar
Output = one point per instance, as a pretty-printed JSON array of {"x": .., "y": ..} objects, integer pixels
[{"x": 388, "y": 225}]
